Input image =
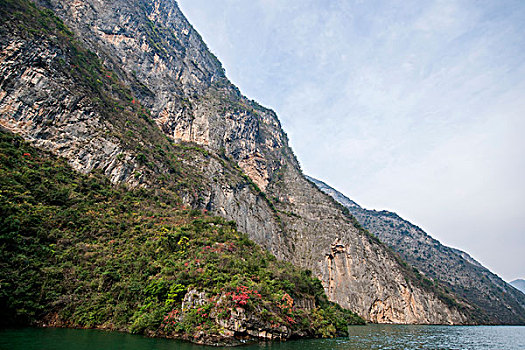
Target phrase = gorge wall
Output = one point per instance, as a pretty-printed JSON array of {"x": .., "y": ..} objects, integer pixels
[
  {"x": 170, "y": 88},
  {"x": 492, "y": 300}
]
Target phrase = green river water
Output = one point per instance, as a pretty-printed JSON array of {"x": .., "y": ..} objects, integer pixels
[{"x": 361, "y": 338}]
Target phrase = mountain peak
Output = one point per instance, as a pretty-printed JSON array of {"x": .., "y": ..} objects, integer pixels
[
  {"x": 519, "y": 284},
  {"x": 338, "y": 196}
]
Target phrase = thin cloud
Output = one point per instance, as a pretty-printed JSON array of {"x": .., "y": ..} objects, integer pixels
[{"x": 406, "y": 105}]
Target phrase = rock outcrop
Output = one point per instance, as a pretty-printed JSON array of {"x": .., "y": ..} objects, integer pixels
[
  {"x": 236, "y": 325},
  {"x": 154, "y": 58},
  {"x": 490, "y": 298}
]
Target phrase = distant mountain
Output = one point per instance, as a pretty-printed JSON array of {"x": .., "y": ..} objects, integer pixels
[
  {"x": 519, "y": 284},
  {"x": 335, "y": 194},
  {"x": 490, "y": 298},
  {"x": 467, "y": 257}
]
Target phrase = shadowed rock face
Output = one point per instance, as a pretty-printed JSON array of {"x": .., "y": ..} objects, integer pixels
[
  {"x": 151, "y": 48},
  {"x": 493, "y": 300}
]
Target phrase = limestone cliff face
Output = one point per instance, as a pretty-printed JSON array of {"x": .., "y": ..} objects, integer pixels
[
  {"x": 41, "y": 99},
  {"x": 170, "y": 70},
  {"x": 150, "y": 48},
  {"x": 387, "y": 300},
  {"x": 490, "y": 298},
  {"x": 357, "y": 271},
  {"x": 36, "y": 100}
]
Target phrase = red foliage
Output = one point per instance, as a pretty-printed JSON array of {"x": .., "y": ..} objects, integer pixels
[
  {"x": 287, "y": 303},
  {"x": 243, "y": 294},
  {"x": 171, "y": 318}
]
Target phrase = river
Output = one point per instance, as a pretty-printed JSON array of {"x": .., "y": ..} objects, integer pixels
[{"x": 361, "y": 338}]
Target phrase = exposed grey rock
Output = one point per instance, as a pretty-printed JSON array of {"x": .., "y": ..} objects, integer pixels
[
  {"x": 491, "y": 299},
  {"x": 347, "y": 202},
  {"x": 37, "y": 101},
  {"x": 153, "y": 49}
]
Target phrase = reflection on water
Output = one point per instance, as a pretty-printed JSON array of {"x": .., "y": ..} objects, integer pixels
[{"x": 360, "y": 338}]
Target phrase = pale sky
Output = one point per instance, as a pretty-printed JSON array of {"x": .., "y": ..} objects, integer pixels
[{"x": 416, "y": 107}]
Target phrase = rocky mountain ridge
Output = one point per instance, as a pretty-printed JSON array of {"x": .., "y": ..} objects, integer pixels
[
  {"x": 164, "y": 87},
  {"x": 491, "y": 298}
]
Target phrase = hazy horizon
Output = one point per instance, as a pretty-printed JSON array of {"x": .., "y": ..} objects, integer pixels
[{"x": 407, "y": 106}]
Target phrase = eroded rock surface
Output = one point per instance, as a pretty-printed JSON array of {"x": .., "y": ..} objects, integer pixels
[
  {"x": 492, "y": 300},
  {"x": 152, "y": 49}
]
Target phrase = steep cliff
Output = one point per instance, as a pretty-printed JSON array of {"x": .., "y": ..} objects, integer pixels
[
  {"x": 128, "y": 79},
  {"x": 77, "y": 251},
  {"x": 492, "y": 300}
]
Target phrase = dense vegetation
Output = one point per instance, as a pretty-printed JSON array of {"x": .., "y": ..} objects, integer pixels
[
  {"x": 77, "y": 251},
  {"x": 158, "y": 160}
]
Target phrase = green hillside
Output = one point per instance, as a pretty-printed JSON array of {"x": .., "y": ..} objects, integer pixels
[{"x": 77, "y": 251}]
